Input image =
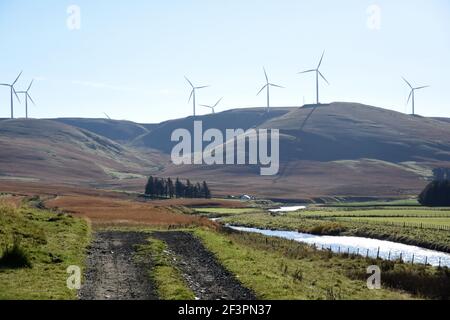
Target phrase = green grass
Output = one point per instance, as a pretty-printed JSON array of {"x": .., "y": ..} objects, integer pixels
[
  {"x": 279, "y": 269},
  {"x": 52, "y": 242},
  {"x": 394, "y": 203},
  {"x": 223, "y": 212},
  {"x": 306, "y": 222},
  {"x": 425, "y": 222},
  {"x": 169, "y": 283}
]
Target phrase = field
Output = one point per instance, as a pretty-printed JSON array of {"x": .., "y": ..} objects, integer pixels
[
  {"x": 186, "y": 255},
  {"x": 425, "y": 227},
  {"x": 41, "y": 246}
]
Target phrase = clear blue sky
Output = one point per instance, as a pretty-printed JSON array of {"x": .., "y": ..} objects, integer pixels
[{"x": 129, "y": 57}]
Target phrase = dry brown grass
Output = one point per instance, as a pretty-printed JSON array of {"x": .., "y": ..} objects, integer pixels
[{"x": 103, "y": 211}]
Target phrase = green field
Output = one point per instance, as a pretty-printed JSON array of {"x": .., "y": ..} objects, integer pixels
[
  {"x": 424, "y": 227},
  {"x": 276, "y": 268},
  {"x": 221, "y": 212},
  {"x": 46, "y": 244}
]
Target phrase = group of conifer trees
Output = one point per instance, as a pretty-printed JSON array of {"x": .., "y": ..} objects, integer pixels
[{"x": 167, "y": 188}]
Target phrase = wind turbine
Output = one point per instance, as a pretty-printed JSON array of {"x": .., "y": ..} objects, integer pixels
[
  {"x": 109, "y": 118},
  {"x": 213, "y": 108},
  {"x": 267, "y": 86},
  {"x": 13, "y": 92},
  {"x": 192, "y": 96},
  {"x": 27, "y": 96},
  {"x": 318, "y": 73},
  {"x": 412, "y": 95}
]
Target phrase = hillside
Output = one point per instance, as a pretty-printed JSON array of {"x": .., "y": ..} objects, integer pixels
[
  {"x": 116, "y": 130},
  {"x": 159, "y": 137},
  {"x": 333, "y": 150},
  {"x": 342, "y": 149},
  {"x": 44, "y": 150}
]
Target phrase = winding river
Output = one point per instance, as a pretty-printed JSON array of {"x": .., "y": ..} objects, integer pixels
[{"x": 358, "y": 245}]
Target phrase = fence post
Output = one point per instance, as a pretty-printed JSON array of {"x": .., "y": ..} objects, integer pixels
[
  {"x": 378, "y": 253},
  {"x": 439, "y": 262},
  {"x": 357, "y": 252},
  {"x": 401, "y": 256},
  {"x": 389, "y": 257},
  {"x": 426, "y": 260},
  {"x": 367, "y": 255},
  {"x": 412, "y": 260}
]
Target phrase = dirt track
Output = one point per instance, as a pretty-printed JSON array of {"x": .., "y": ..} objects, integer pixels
[
  {"x": 204, "y": 275},
  {"x": 112, "y": 273}
]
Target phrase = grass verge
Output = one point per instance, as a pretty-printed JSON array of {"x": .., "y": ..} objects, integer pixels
[
  {"x": 169, "y": 283},
  {"x": 36, "y": 248},
  {"x": 279, "y": 269}
]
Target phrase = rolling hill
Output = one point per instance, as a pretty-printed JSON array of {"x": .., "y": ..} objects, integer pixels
[
  {"x": 331, "y": 150},
  {"x": 50, "y": 151}
]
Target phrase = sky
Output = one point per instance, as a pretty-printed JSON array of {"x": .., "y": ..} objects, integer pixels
[{"x": 129, "y": 58}]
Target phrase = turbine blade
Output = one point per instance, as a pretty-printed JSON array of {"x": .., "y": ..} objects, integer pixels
[
  {"x": 324, "y": 78},
  {"x": 312, "y": 70},
  {"x": 217, "y": 103},
  {"x": 320, "y": 62},
  {"x": 14, "y": 90},
  {"x": 31, "y": 99},
  {"x": 202, "y": 87},
  {"x": 29, "y": 87},
  {"x": 189, "y": 82},
  {"x": 265, "y": 74},
  {"x": 17, "y": 78},
  {"x": 190, "y": 97},
  {"x": 262, "y": 89},
  {"x": 421, "y": 87},
  {"x": 409, "y": 84},
  {"x": 275, "y": 85},
  {"x": 410, "y": 95}
]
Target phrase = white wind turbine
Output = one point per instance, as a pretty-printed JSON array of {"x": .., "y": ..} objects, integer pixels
[
  {"x": 27, "y": 96},
  {"x": 412, "y": 94},
  {"x": 13, "y": 92},
  {"x": 267, "y": 86},
  {"x": 192, "y": 96},
  {"x": 318, "y": 73},
  {"x": 213, "y": 108}
]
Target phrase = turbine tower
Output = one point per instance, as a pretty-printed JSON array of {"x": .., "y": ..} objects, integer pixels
[
  {"x": 267, "y": 86},
  {"x": 13, "y": 92},
  {"x": 318, "y": 73},
  {"x": 27, "y": 96},
  {"x": 192, "y": 96},
  {"x": 412, "y": 94},
  {"x": 213, "y": 108}
]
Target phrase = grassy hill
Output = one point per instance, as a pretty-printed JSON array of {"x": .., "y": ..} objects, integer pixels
[
  {"x": 52, "y": 151},
  {"x": 116, "y": 130},
  {"x": 327, "y": 151}
]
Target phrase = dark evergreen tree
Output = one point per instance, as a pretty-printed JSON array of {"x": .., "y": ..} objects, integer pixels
[
  {"x": 179, "y": 188},
  {"x": 170, "y": 188},
  {"x": 150, "y": 187},
  {"x": 206, "y": 193},
  {"x": 436, "y": 194}
]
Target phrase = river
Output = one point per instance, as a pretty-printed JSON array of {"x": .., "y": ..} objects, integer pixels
[{"x": 358, "y": 245}]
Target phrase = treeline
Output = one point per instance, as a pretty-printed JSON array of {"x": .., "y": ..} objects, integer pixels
[{"x": 167, "y": 188}]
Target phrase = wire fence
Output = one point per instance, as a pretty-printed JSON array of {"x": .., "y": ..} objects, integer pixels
[{"x": 404, "y": 224}]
